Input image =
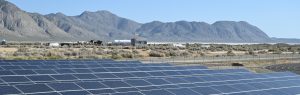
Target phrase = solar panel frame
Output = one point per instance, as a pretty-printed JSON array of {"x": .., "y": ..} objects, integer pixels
[
  {"x": 128, "y": 89},
  {"x": 128, "y": 93},
  {"x": 24, "y": 72},
  {"x": 75, "y": 93},
  {"x": 102, "y": 91},
  {"x": 183, "y": 91},
  {"x": 157, "y": 92}
]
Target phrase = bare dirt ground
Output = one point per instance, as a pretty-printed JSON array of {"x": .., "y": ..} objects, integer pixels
[{"x": 8, "y": 49}]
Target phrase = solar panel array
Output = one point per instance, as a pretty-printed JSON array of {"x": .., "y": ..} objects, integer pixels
[{"x": 107, "y": 77}]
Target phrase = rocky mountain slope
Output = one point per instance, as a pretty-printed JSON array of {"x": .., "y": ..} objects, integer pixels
[{"x": 18, "y": 25}]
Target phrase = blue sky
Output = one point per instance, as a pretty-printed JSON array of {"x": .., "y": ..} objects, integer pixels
[{"x": 278, "y": 18}]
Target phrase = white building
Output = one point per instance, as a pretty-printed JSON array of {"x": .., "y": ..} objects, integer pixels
[
  {"x": 122, "y": 41},
  {"x": 54, "y": 44}
]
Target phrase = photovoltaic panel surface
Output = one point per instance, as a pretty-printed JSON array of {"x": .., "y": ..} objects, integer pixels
[{"x": 108, "y": 77}]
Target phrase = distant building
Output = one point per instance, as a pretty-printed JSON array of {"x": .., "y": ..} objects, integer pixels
[
  {"x": 96, "y": 42},
  {"x": 122, "y": 42},
  {"x": 205, "y": 46},
  {"x": 54, "y": 44},
  {"x": 80, "y": 42},
  {"x": 3, "y": 42},
  {"x": 178, "y": 45},
  {"x": 135, "y": 42}
]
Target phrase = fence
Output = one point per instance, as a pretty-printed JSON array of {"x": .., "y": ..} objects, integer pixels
[{"x": 205, "y": 59}]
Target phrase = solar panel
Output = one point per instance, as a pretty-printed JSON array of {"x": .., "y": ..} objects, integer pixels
[
  {"x": 147, "y": 88},
  {"x": 48, "y": 67},
  {"x": 107, "y": 77},
  {"x": 123, "y": 75},
  {"x": 157, "y": 92},
  {"x": 183, "y": 91},
  {"x": 64, "y": 86},
  {"x": 65, "y": 71},
  {"x": 193, "y": 79},
  {"x": 41, "y": 78},
  {"x": 206, "y": 90},
  {"x": 15, "y": 79},
  {"x": 115, "y": 84},
  {"x": 45, "y": 71},
  {"x": 30, "y": 67},
  {"x": 82, "y": 70},
  {"x": 91, "y": 85},
  {"x": 6, "y": 73},
  {"x": 102, "y": 91},
  {"x": 99, "y": 70},
  {"x": 46, "y": 93},
  {"x": 8, "y": 90},
  {"x": 75, "y": 93},
  {"x": 243, "y": 87},
  {"x": 138, "y": 82},
  {"x": 34, "y": 88},
  {"x": 66, "y": 77},
  {"x": 24, "y": 72},
  {"x": 128, "y": 93},
  {"x": 158, "y": 81},
  {"x": 277, "y": 92},
  {"x": 140, "y": 74},
  {"x": 156, "y": 74},
  {"x": 85, "y": 76},
  {"x": 225, "y": 89},
  {"x": 11, "y": 67},
  {"x": 176, "y": 80},
  {"x": 128, "y": 89}
]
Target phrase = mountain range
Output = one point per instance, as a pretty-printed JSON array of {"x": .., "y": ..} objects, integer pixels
[{"x": 19, "y": 25}]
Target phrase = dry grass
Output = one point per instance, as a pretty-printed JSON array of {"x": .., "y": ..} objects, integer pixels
[{"x": 8, "y": 49}]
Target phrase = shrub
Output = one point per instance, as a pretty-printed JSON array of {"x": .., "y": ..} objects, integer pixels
[
  {"x": 115, "y": 55},
  {"x": 185, "y": 53},
  {"x": 230, "y": 53},
  {"x": 156, "y": 54},
  {"x": 174, "y": 53},
  {"x": 201, "y": 53},
  {"x": 54, "y": 57},
  {"x": 262, "y": 52},
  {"x": 251, "y": 52},
  {"x": 127, "y": 55},
  {"x": 277, "y": 51},
  {"x": 23, "y": 49}
]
